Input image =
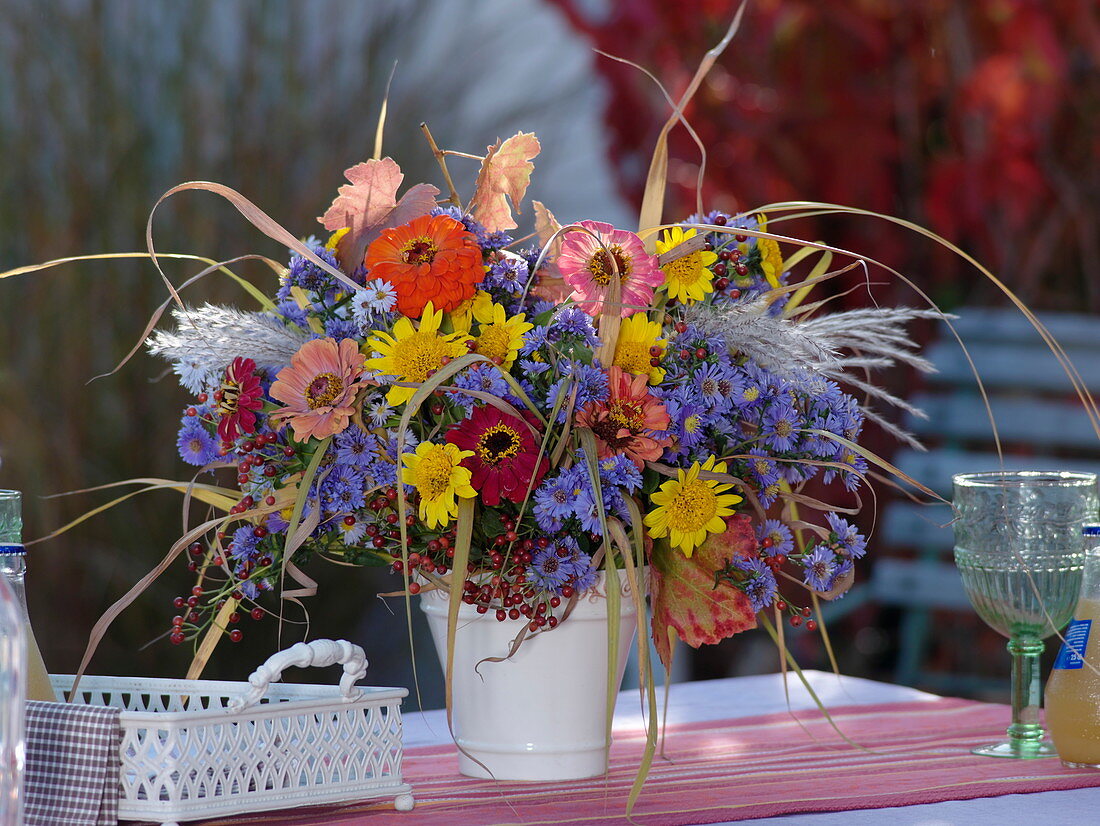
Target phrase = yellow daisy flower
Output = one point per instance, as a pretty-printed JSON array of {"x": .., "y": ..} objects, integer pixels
[
  {"x": 689, "y": 508},
  {"x": 462, "y": 316},
  {"x": 410, "y": 354},
  {"x": 688, "y": 278},
  {"x": 771, "y": 259},
  {"x": 438, "y": 476},
  {"x": 637, "y": 337},
  {"x": 499, "y": 336}
]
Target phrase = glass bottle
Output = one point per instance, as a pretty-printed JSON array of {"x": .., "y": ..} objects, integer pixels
[
  {"x": 1073, "y": 690},
  {"x": 13, "y": 663},
  {"x": 13, "y": 568}
]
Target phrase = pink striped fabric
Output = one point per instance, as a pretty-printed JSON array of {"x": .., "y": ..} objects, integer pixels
[{"x": 712, "y": 772}]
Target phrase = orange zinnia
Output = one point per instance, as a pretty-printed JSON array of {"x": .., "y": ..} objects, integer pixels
[{"x": 432, "y": 258}]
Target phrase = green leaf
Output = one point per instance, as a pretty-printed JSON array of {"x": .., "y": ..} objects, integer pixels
[{"x": 684, "y": 597}]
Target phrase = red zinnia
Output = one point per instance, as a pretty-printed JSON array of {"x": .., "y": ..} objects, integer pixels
[
  {"x": 237, "y": 398},
  {"x": 432, "y": 258},
  {"x": 626, "y": 422},
  {"x": 504, "y": 454}
]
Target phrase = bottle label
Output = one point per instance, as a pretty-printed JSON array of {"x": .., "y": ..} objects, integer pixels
[
  {"x": 12, "y": 548},
  {"x": 1073, "y": 649}
]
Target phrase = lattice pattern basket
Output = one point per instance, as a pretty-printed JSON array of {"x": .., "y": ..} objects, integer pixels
[{"x": 194, "y": 749}]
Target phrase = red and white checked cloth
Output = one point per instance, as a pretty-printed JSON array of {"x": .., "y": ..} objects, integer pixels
[{"x": 72, "y": 767}]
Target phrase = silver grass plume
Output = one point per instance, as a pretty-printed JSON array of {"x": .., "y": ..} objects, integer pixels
[
  {"x": 208, "y": 338},
  {"x": 835, "y": 346}
]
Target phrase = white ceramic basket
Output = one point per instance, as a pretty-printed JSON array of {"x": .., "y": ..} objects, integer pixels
[{"x": 194, "y": 749}]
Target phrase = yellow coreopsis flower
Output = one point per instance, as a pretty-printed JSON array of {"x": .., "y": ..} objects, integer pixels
[
  {"x": 499, "y": 336},
  {"x": 437, "y": 474},
  {"x": 410, "y": 354},
  {"x": 687, "y": 278},
  {"x": 634, "y": 349},
  {"x": 689, "y": 509},
  {"x": 462, "y": 316},
  {"x": 771, "y": 259}
]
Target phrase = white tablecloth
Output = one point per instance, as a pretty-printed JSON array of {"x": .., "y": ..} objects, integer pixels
[{"x": 750, "y": 696}]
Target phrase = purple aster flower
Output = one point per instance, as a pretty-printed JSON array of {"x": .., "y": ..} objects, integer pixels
[
  {"x": 843, "y": 568},
  {"x": 341, "y": 328},
  {"x": 573, "y": 321},
  {"x": 555, "y": 501},
  {"x": 706, "y": 382},
  {"x": 818, "y": 568},
  {"x": 292, "y": 313},
  {"x": 534, "y": 368},
  {"x": 780, "y": 426},
  {"x": 197, "y": 446},
  {"x": 619, "y": 471},
  {"x": 582, "y": 574},
  {"x": 759, "y": 585},
  {"x": 355, "y": 447},
  {"x": 782, "y": 542},
  {"x": 243, "y": 545},
  {"x": 590, "y": 383},
  {"x": 534, "y": 340},
  {"x": 249, "y": 589},
  {"x": 307, "y": 275},
  {"x": 848, "y": 539},
  {"x": 509, "y": 274},
  {"x": 342, "y": 490},
  {"x": 548, "y": 570},
  {"x": 483, "y": 377}
]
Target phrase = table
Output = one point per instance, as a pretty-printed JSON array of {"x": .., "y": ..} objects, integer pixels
[{"x": 756, "y": 695}]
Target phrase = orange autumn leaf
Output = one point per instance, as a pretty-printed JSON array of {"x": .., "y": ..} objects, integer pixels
[
  {"x": 551, "y": 285},
  {"x": 505, "y": 174},
  {"x": 368, "y": 205},
  {"x": 684, "y": 597}
]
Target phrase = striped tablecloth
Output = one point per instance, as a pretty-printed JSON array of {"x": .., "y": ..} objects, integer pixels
[{"x": 726, "y": 770}]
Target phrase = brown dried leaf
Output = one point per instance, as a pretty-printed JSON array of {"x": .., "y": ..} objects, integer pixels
[
  {"x": 505, "y": 174},
  {"x": 368, "y": 205},
  {"x": 684, "y": 597}
]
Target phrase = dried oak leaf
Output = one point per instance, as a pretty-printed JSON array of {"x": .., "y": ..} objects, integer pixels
[
  {"x": 368, "y": 205},
  {"x": 684, "y": 597},
  {"x": 505, "y": 174}
]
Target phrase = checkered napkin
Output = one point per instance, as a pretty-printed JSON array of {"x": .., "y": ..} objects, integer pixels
[{"x": 72, "y": 768}]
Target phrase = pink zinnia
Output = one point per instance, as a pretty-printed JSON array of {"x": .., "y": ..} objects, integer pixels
[
  {"x": 238, "y": 399},
  {"x": 588, "y": 264},
  {"x": 319, "y": 387},
  {"x": 629, "y": 421}
]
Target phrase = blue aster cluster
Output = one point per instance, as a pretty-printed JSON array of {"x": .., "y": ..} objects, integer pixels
[
  {"x": 562, "y": 564},
  {"x": 566, "y": 501}
]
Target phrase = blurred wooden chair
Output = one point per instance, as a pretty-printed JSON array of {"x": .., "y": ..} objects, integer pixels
[{"x": 1042, "y": 425}]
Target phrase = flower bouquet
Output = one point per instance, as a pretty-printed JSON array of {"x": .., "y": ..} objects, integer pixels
[
  {"x": 512, "y": 423},
  {"x": 506, "y": 419}
]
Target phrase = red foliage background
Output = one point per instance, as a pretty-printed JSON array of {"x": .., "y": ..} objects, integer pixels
[{"x": 977, "y": 119}]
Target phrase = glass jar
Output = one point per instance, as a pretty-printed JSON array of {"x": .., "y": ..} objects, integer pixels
[{"x": 1073, "y": 690}]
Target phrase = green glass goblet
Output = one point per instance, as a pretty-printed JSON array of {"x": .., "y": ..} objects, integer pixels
[{"x": 1019, "y": 548}]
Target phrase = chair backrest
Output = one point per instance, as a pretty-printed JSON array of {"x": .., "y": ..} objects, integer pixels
[{"x": 1042, "y": 424}]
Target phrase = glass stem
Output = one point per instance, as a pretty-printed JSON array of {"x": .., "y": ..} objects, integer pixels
[{"x": 1026, "y": 732}]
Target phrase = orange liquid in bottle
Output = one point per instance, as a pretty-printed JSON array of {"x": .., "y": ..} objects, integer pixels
[{"x": 1072, "y": 698}]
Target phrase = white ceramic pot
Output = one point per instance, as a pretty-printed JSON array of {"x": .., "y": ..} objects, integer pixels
[{"x": 540, "y": 715}]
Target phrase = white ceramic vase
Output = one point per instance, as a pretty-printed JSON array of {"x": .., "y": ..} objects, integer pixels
[{"x": 540, "y": 715}]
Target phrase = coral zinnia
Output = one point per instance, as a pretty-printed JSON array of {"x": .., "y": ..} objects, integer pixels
[
  {"x": 319, "y": 387},
  {"x": 433, "y": 258},
  {"x": 687, "y": 278},
  {"x": 628, "y": 421},
  {"x": 501, "y": 454},
  {"x": 237, "y": 399},
  {"x": 438, "y": 476},
  {"x": 639, "y": 344},
  {"x": 409, "y": 354},
  {"x": 689, "y": 508},
  {"x": 588, "y": 264}
]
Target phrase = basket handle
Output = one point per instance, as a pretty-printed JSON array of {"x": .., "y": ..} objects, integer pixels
[{"x": 318, "y": 653}]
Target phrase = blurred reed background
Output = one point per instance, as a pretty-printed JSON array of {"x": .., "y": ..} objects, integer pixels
[{"x": 106, "y": 105}]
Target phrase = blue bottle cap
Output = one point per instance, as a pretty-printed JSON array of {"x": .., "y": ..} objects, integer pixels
[
  {"x": 1090, "y": 530},
  {"x": 12, "y": 549}
]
